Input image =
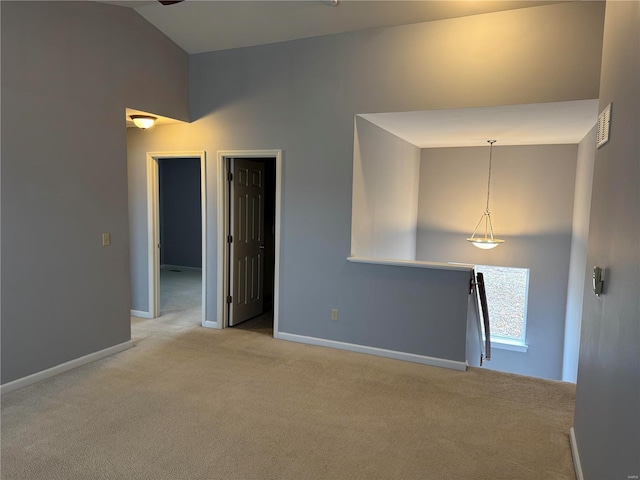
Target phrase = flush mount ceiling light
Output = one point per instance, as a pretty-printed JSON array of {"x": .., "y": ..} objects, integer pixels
[
  {"x": 488, "y": 241},
  {"x": 143, "y": 121}
]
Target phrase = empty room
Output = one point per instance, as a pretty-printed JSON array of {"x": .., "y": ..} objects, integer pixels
[{"x": 320, "y": 239}]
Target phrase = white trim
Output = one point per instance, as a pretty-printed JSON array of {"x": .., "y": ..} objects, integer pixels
[
  {"x": 64, "y": 367},
  {"x": 506, "y": 344},
  {"x": 526, "y": 305},
  {"x": 140, "y": 313},
  {"x": 276, "y": 259},
  {"x": 152, "y": 236},
  {"x": 222, "y": 235},
  {"x": 412, "y": 263},
  {"x": 577, "y": 466},
  {"x": 203, "y": 226},
  {"x": 153, "y": 227},
  {"x": 380, "y": 352},
  {"x": 223, "y": 227},
  {"x": 509, "y": 343},
  {"x": 210, "y": 324}
]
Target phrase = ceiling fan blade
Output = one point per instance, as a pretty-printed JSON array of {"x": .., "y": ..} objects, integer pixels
[{"x": 170, "y": 2}]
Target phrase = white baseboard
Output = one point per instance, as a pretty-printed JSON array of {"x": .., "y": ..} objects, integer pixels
[
  {"x": 574, "y": 453},
  {"x": 140, "y": 313},
  {"x": 380, "y": 352},
  {"x": 64, "y": 367},
  {"x": 209, "y": 324}
]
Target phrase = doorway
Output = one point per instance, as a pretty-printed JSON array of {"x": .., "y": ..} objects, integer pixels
[
  {"x": 249, "y": 234},
  {"x": 177, "y": 234},
  {"x": 180, "y": 237}
]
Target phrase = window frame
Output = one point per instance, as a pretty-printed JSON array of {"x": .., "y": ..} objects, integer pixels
[{"x": 502, "y": 341}]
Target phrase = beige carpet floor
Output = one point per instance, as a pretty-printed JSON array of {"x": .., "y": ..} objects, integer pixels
[
  {"x": 180, "y": 289},
  {"x": 194, "y": 403}
]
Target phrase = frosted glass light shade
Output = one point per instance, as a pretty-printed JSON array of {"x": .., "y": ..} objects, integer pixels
[
  {"x": 143, "y": 121},
  {"x": 485, "y": 244},
  {"x": 488, "y": 241}
]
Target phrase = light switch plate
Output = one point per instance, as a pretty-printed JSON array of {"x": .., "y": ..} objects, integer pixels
[{"x": 106, "y": 239}]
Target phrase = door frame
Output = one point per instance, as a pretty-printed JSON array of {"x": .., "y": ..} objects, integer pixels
[
  {"x": 224, "y": 208},
  {"x": 153, "y": 227}
]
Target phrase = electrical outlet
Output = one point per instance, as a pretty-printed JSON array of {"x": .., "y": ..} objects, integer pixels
[
  {"x": 106, "y": 239},
  {"x": 334, "y": 314}
]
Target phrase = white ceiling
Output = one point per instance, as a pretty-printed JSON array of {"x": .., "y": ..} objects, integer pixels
[
  {"x": 205, "y": 26},
  {"x": 534, "y": 124}
]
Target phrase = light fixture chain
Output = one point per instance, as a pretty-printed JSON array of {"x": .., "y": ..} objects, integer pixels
[
  {"x": 491, "y": 142},
  {"x": 489, "y": 241}
]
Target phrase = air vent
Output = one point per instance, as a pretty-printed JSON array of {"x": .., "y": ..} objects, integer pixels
[{"x": 604, "y": 122}]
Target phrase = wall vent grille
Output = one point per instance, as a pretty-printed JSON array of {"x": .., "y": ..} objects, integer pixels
[{"x": 604, "y": 123}]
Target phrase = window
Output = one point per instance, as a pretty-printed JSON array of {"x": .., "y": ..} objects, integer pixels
[{"x": 507, "y": 289}]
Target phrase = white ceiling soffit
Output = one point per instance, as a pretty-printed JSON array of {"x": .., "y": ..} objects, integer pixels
[
  {"x": 533, "y": 124},
  {"x": 206, "y": 26},
  {"x": 160, "y": 120}
]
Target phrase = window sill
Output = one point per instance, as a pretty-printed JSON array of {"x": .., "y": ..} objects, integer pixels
[{"x": 508, "y": 344}]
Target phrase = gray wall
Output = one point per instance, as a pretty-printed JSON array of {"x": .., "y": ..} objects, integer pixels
[
  {"x": 180, "y": 212},
  {"x": 301, "y": 96},
  {"x": 531, "y": 208},
  {"x": 578, "y": 259},
  {"x": 414, "y": 310},
  {"x": 386, "y": 170},
  {"x": 69, "y": 69},
  {"x": 607, "y": 417}
]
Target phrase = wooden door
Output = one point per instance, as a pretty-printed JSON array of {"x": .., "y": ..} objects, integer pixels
[{"x": 247, "y": 240}]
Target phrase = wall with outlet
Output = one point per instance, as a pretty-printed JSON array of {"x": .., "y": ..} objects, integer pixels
[
  {"x": 62, "y": 64},
  {"x": 302, "y": 96}
]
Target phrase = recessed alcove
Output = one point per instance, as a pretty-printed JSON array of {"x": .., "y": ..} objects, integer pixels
[
  {"x": 391, "y": 149},
  {"x": 420, "y": 183}
]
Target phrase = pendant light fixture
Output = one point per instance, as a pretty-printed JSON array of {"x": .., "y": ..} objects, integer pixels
[
  {"x": 488, "y": 241},
  {"x": 143, "y": 121}
]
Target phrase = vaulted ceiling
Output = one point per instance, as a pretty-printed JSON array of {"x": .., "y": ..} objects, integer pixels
[{"x": 205, "y": 26}]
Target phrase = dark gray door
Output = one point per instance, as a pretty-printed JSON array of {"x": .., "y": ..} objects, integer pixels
[{"x": 247, "y": 246}]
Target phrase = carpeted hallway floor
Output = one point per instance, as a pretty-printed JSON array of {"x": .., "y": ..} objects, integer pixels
[
  {"x": 194, "y": 403},
  {"x": 180, "y": 289}
]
